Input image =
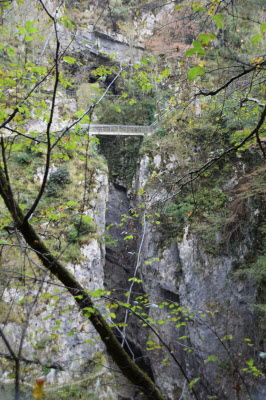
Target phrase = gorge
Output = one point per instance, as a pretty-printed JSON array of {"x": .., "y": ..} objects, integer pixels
[{"x": 163, "y": 234}]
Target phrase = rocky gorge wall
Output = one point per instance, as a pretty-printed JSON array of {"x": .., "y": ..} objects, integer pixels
[
  {"x": 222, "y": 307},
  {"x": 191, "y": 297},
  {"x": 215, "y": 336}
]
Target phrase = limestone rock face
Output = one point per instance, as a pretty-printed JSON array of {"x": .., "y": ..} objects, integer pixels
[{"x": 221, "y": 306}]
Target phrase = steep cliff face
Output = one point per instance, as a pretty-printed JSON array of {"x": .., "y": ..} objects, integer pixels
[
  {"x": 202, "y": 308},
  {"x": 218, "y": 324}
]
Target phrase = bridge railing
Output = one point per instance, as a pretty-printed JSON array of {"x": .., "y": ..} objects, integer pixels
[
  {"x": 122, "y": 129},
  {"x": 102, "y": 129}
]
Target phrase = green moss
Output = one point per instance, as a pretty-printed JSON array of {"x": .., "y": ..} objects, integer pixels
[
  {"x": 41, "y": 344},
  {"x": 12, "y": 313},
  {"x": 255, "y": 271}
]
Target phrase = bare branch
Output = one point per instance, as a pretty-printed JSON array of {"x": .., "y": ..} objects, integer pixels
[
  {"x": 253, "y": 100},
  {"x": 203, "y": 92},
  {"x": 49, "y": 124}
]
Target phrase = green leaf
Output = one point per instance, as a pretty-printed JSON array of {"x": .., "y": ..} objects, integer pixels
[
  {"x": 96, "y": 293},
  {"x": 218, "y": 19},
  {"x": 219, "y": 24},
  {"x": 194, "y": 72},
  {"x": 53, "y": 336},
  {"x": 178, "y": 8},
  {"x": 29, "y": 38},
  {"x": 48, "y": 317},
  {"x": 4, "y": 242},
  {"x": 90, "y": 309},
  {"x": 197, "y": 7},
  {"x": 250, "y": 363},
  {"x": 193, "y": 383},
  {"x": 192, "y": 51},
  {"x": 227, "y": 337},
  {"x": 29, "y": 26},
  {"x": 256, "y": 39},
  {"x": 69, "y": 60},
  {"x": 46, "y": 296},
  {"x": 197, "y": 44},
  {"x": 206, "y": 38},
  {"x": 128, "y": 237},
  {"x": 210, "y": 359},
  {"x": 263, "y": 28},
  {"x": 181, "y": 324},
  {"x": 66, "y": 22},
  {"x": 85, "y": 120},
  {"x": 32, "y": 30},
  {"x": 10, "y": 51},
  {"x": 72, "y": 203},
  {"x": 22, "y": 30},
  {"x": 134, "y": 280}
]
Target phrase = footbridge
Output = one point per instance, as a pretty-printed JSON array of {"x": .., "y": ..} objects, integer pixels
[
  {"x": 120, "y": 130},
  {"x": 110, "y": 130}
]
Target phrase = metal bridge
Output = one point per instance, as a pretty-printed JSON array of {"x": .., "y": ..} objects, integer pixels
[{"x": 120, "y": 130}]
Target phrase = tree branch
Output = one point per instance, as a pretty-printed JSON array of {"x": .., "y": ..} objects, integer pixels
[{"x": 203, "y": 92}]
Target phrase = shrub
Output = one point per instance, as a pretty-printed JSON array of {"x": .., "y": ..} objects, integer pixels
[
  {"x": 58, "y": 179},
  {"x": 60, "y": 176},
  {"x": 24, "y": 158},
  {"x": 82, "y": 225}
]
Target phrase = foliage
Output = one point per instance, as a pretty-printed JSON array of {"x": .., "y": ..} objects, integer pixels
[
  {"x": 82, "y": 225},
  {"x": 129, "y": 103},
  {"x": 58, "y": 179},
  {"x": 109, "y": 240},
  {"x": 24, "y": 158}
]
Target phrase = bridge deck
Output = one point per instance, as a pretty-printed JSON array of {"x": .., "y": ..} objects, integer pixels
[{"x": 119, "y": 130}]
